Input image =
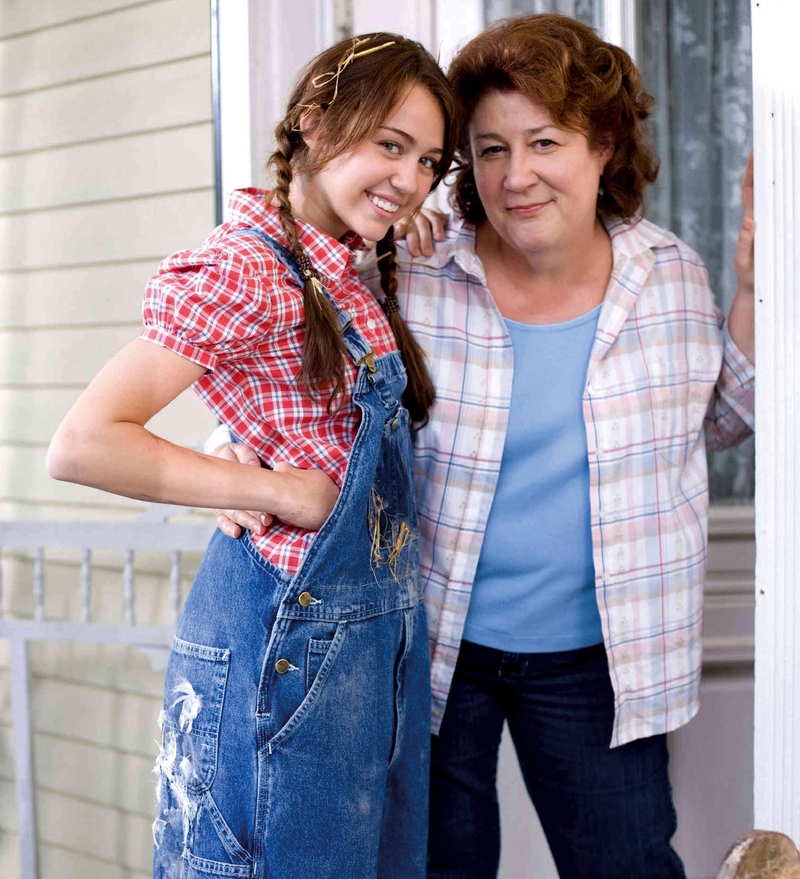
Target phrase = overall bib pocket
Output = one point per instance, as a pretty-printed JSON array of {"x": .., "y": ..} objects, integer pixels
[{"x": 296, "y": 673}]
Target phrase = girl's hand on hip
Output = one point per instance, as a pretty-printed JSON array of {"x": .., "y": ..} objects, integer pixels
[
  {"x": 231, "y": 522},
  {"x": 310, "y": 496}
]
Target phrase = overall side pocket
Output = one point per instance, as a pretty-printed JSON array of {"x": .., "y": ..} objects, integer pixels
[{"x": 194, "y": 693}]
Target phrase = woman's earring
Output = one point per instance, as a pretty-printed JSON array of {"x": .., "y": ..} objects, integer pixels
[{"x": 601, "y": 189}]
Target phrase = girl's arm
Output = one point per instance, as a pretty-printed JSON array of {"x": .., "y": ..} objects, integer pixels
[{"x": 103, "y": 443}]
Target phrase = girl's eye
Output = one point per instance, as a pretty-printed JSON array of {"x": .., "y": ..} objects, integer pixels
[
  {"x": 390, "y": 146},
  {"x": 428, "y": 162}
]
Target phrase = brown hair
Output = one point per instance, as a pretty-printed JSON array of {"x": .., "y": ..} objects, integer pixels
[
  {"x": 356, "y": 96},
  {"x": 586, "y": 84}
]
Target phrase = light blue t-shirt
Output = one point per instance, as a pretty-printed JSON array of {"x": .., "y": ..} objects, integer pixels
[{"x": 534, "y": 588}]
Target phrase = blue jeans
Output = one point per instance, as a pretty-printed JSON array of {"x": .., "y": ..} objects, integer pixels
[
  {"x": 296, "y": 722},
  {"x": 607, "y": 813}
]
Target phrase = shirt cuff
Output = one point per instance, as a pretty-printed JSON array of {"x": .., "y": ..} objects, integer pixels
[
  {"x": 739, "y": 366},
  {"x": 737, "y": 380}
]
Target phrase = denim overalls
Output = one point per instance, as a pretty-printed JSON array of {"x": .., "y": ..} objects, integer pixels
[{"x": 296, "y": 726}]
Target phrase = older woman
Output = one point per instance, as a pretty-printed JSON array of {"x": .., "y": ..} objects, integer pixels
[{"x": 582, "y": 369}]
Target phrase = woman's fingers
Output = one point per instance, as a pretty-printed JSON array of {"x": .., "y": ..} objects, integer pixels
[
  {"x": 743, "y": 257},
  {"x": 747, "y": 187},
  {"x": 232, "y": 522},
  {"x": 422, "y": 230}
]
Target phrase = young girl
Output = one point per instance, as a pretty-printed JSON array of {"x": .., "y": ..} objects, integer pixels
[{"x": 295, "y": 730}]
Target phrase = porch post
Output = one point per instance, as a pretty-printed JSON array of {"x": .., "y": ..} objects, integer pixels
[{"x": 776, "y": 94}]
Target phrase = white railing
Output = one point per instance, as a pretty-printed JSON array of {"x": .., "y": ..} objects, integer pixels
[{"x": 152, "y": 531}]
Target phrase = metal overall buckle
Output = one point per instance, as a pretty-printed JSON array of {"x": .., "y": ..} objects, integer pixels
[{"x": 369, "y": 360}]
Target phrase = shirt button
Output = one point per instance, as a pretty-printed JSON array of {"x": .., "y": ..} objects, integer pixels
[
  {"x": 282, "y": 666},
  {"x": 371, "y": 324}
]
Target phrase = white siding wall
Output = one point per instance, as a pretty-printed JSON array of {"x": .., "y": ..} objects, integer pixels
[{"x": 106, "y": 165}]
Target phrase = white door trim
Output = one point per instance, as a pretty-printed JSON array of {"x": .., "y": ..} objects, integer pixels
[{"x": 776, "y": 103}]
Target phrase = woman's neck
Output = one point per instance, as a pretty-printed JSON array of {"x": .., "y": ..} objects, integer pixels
[{"x": 548, "y": 285}]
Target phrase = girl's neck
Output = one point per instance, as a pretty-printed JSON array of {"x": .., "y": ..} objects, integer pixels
[{"x": 311, "y": 207}]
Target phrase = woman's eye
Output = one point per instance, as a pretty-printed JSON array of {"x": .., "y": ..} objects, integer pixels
[
  {"x": 390, "y": 146},
  {"x": 545, "y": 142},
  {"x": 428, "y": 162},
  {"x": 490, "y": 151}
]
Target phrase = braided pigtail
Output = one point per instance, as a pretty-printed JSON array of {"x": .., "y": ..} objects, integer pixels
[
  {"x": 420, "y": 393},
  {"x": 323, "y": 350}
]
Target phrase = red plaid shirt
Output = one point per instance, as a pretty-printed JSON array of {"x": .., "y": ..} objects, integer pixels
[{"x": 232, "y": 308}]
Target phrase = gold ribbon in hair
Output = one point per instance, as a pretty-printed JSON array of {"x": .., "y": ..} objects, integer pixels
[{"x": 324, "y": 78}]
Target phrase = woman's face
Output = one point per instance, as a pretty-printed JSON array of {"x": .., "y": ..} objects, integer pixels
[{"x": 538, "y": 183}]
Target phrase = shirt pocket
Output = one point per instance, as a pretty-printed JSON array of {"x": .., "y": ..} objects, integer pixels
[{"x": 668, "y": 398}]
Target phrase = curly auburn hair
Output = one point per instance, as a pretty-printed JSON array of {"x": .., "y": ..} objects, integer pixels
[
  {"x": 586, "y": 84},
  {"x": 355, "y": 85}
]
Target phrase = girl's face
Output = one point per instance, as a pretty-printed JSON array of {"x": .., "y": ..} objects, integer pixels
[
  {"x": 380, "y": 181},
  {"x": 537, "y": 182}
]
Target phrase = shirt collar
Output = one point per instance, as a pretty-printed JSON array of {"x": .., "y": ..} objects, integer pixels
[
  {"x": 632, "y": 241},
  {"x": 331, "y": 258},
  {"x": 636, "y": 237}
]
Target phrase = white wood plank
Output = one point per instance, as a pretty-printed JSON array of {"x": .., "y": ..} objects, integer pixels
[
  {"x": 56, "y": 357},
  {"x": 19, "y": 16},
  {"x": 9, "y": 851},
  {"x": 60, "y": 863},
  {"x": 135, "y": 229},
  {"x": 32, "y": 416},
  {"x": 105, "y": 777},
  {"x": 22, "y": 475},
  {"x": 40, "y": 510},
  {"x": 145, "y": 164},
  {"x": 105, "y": 718},
  {"x": 6, "y": 756},
  {"x": 102, "y": 666},
  {"x": 74, "y": 295},
  {"x": 112, "y": 837},
  {"x": 145, "y": 100},
  {"x": 8, "y": 812},
  {"x": 135, "y": 37}
]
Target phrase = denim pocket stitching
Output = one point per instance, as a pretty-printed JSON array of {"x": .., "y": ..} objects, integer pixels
[
  {"x": 217, "y": 868},
  {"x": 225, "y": 834},
  {"x": 202, "y": 723},
  {"x": 306, "y": 707}
]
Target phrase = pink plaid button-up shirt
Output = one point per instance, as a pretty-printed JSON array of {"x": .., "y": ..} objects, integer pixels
[{"x": 665, "y": 381}]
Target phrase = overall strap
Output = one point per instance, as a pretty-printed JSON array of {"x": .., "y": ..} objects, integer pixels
[{"x": 358, "y": 349}]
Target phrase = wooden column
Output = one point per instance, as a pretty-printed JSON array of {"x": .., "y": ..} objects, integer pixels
[{"x": 776, "y": 81}]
